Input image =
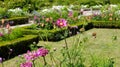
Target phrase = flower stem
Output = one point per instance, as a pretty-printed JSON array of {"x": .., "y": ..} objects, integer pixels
[
  {"x": 45, "y": 63},
  {"x": 9, "y": 55},
  {"x": 33, "y": 63},
  {"x": 67, "y": 51},
  {"x": 53, "y": 59},
  {"x": 66, "y": 44}
]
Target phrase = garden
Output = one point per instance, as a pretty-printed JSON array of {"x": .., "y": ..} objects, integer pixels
[{"x": 59, "y": 33}]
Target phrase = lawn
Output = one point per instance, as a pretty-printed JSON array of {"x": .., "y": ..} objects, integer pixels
[{"x": 104, "y": 45}]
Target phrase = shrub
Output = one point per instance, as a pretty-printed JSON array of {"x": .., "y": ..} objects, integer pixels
[
  {"x": 50, "y": 35},
  {"x": 30, "y": 30},
  {"x": 106, "y": 24},
  {"x": 17, "y": 12},
  {"x": 19, "y": 45},
  {"x": 15, "y": 33},
  {"x": 53, "y": 35},
  {"x": 2, "y": 12}
]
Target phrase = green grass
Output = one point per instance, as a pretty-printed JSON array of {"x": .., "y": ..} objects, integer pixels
[{"x": 103, "y": 46}]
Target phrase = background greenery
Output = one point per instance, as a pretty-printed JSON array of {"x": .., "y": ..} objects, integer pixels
[{"x": 38, "y": 4}]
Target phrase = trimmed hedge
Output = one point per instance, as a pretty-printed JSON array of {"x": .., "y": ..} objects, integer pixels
[
  {"x": 53, "y": 35},
  {"x": 50, "y": 35},
  {"x": 16, "y": 21},
  {"x": 19, "y": 46},
  {"x": 106, "y": 24},
  {"x": 56, "y": 34}
]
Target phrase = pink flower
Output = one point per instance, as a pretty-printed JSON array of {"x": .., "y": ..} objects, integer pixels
[
  {"x": 1, "y": 59},
  {"x": 26, "y": 64},
  {"x": 8, "y": 26},
  {"x": 61, "y": 22},
  {"x": 35, "y": 17},
  {"x": 1, "y": 34},
  {"x": 70, "y": 14},
  {"x": 47, "y": 19},
  {"x": 42, "y": 52},
  {"x": 35, "y": 54},
  {"x": 30, "y": 55}
]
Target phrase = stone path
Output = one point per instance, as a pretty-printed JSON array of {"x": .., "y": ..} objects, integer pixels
[
  {"x": 21, "y": 25},
  {"x": 29, "y": 23},
  {"x": 12, "y": 27}
]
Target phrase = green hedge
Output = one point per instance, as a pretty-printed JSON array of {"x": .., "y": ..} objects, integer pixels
[
  {"x": 15, "y": 33},
  {"x": 106, "y": 24},
  {"x": 50, "y": 35},
  {"x": 54, "y": 34},
  {"x": 19, "y": 45},
  {"x": 16, "y": 20}
]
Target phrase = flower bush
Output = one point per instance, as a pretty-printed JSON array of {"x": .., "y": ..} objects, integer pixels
[
  {"x": 52, "y": 19},
  {"x": 108, "y": 13},
  {"x": 17, "y": 12},
  {"x": 31, "y": 56}
]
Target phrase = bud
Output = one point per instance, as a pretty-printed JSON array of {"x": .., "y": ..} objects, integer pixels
[
  {"x": 42, "y": 24},
  {"x": 82, "y": 29},
  {"x": 110, "y": 18},
  {"x": 8, "y": 26},
  {"x": 94, "y": 34},
  {"x": 11, "y": 50},
  {"x": 34, "y": 42},
  {"x": 3, "y": 21},
  {"x": 47, "y": 19},
  {"x": 110, "y": 14},
  {"x": 54, "y": 49}
]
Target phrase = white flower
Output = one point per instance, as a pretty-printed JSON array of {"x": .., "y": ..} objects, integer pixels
[
  {"x": 15, "y": 10},
  {"x": 58, "y": 8},
  {"x": 113, "y": 5},
  {"x": 117, "y": 12},
  {"x": 69, "y": 9},
  {"x": 71, "y": 6},
  {"x": 84, "y": 6},
  {"x": 97, "y": 6}
]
